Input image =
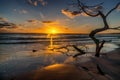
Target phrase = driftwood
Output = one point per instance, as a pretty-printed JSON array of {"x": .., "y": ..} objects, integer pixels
[
  {"x": 67, "y": 50},
  {"x": 79, "y": 50}
]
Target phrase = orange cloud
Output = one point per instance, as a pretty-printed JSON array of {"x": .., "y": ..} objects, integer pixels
[
  {"x": 35, "y": 3},
  {"x": 70, "y": 14},
  {"x": 83, "y": 14}
]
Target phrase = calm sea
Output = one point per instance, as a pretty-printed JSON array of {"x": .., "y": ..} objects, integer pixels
[{"x": 17, "y": 56}]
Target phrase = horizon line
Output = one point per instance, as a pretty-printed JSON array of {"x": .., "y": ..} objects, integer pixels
[{"x": 48, "y": 33}]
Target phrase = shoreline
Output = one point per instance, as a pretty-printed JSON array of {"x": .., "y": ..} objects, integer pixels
[{"x": 65, "y": 71}]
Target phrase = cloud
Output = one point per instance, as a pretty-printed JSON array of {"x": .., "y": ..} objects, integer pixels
[
  {"x": 57, "y": 25},
  {"x": 30, "y": 2},
  {"x": 47, "y": 21},
  {"x": 42, "y": 15},
  {"x": 8, "y": 25},
  {"x": 70, "y": 14},
  {"x": 118, "y": 8},
  {"x": 3, "y": 19},
  {"x": 73, "y": 14},
  {"x": 4, "y": 23},
  {"x": 11, "y": 29},
  {"x": 36, "y": 2},
  {"x": 84, "y": 28},
  {"x": 83, "y": 14},
  {"x": 42, "y": 2},
  {"x": 23, "y": 11},
  {"x": 33, "y": 21},
  {"x": 15, "y": 10}
]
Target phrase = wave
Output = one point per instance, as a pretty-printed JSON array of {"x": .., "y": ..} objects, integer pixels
[{"x": 42, "y": 38}]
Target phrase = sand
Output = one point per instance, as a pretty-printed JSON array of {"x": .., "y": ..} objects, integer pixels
[{"x": 109, "y": 64}]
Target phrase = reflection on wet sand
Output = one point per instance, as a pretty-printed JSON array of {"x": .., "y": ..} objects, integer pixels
[
  {"x": 77, "y": 71},
  {"x": 68, "y": 71},
  {"x": 57, "y": 72},
  {"x": 49, "y": 53},
  {"x": 62, "y": 72}
]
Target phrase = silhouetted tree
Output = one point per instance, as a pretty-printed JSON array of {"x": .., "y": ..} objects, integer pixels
[{"x": 95, "y": 11}]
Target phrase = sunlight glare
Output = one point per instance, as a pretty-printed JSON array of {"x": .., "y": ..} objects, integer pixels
[{"x": 53, "y": 31}]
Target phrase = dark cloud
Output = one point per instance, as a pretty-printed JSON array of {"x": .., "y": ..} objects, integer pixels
[
  {"x": 70, "y": 14},
  {"x": 8, "y": 25},
  {"x": 47, "y": 21},
  {"x": 33, "y": 21},
  {"x": 5, "y": 24}
]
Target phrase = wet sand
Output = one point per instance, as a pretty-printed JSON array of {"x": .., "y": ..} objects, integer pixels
[{"x": 109, "y": 64}]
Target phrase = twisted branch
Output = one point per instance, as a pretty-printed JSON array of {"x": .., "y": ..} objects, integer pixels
[{"x": 113, "y": 9}]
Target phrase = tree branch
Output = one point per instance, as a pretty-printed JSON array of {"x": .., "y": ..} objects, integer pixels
[
  {"x": 79, "y": 50},
  {"x": 94, "y": 32},
  {"x": 96, "y": 5},
  {"x": 116, "y": 28},
  {"x": 113, "y": 9},
  {"x": 67, "y": 50},
  {"x": 82, "y": 7},
  {"x": 100, "y": 47}
]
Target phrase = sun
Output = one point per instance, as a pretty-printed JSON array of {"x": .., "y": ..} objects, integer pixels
[{"x": 53, "y": 31}]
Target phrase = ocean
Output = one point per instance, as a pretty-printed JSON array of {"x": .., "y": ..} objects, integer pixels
[{"x": 23, "y": 52}]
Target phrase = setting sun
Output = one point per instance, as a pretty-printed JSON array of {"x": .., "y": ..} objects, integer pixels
[{"x": 53, "y": 31}]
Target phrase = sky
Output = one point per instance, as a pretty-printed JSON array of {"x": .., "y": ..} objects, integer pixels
[{"x": 45, "y": 16}]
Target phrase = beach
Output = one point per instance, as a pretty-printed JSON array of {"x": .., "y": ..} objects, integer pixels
[
  {"x": 69, "y": 71},
  {"x": 22, "y": 59}
]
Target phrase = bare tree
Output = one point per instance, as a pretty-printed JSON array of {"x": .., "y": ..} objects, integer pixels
[{"x": 95, "y": 11}]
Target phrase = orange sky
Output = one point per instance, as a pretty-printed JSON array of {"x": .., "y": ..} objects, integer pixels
[{"x": 53, "y": 26}]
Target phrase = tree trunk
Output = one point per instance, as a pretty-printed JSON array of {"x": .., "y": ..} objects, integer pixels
[{"x": 99, "y": 44}]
